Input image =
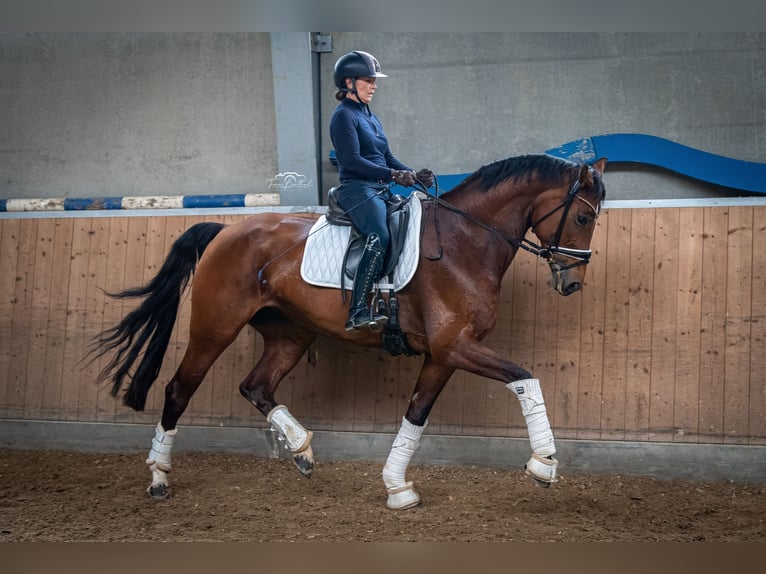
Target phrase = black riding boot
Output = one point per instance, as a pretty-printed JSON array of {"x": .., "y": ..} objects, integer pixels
[{"x": 370, "y": 265}]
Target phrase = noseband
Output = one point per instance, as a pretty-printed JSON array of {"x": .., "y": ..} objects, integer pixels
[{"x": 580, "y": 256}]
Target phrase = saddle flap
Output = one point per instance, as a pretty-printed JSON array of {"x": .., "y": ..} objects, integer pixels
[{"x": 397, "y": 218}]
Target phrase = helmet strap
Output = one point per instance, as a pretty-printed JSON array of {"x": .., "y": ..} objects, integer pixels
[{"x": 352, "y": 90}]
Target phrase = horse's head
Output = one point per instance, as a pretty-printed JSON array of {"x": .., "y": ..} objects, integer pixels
[{"x": 564, "y": 221}]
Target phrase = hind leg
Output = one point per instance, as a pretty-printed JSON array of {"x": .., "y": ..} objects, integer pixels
[
  {"x": 211, "y": 332},
  {"x": 284, "y": 345},
  {"x": 178, "y": 393}
]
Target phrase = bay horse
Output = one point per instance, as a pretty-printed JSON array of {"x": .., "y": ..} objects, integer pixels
[{"x": 248, "y": 273}]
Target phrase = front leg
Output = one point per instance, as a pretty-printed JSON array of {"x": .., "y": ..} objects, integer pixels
[
  {"x": 469, "y": 354},
  {"x": 431, "y": 381}
]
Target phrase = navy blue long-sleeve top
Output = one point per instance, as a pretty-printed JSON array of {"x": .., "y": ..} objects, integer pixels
[{"x": 361, "y": 147}]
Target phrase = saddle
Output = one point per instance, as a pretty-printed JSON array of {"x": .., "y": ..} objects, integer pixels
[{"x": 397, "y": 217}]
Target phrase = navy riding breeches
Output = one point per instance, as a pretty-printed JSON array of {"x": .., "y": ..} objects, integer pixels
[{"x": 365, "y": 205}]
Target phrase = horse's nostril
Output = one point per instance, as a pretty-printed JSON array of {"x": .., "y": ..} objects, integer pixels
[{"x": 572, "y": 287}]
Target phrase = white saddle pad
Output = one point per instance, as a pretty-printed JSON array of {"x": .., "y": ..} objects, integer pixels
[{"x": 326, "y": 245}]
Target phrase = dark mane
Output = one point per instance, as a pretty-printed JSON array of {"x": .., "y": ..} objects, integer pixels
[{"x": 544, "y": 166}]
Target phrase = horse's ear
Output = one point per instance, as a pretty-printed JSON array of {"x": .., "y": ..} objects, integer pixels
[
  {"x": 600, "y": 165},
  {"x": 585, "y": 177}
]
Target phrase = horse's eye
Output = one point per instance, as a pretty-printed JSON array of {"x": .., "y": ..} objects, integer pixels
[{"x": 582, "y": 219}]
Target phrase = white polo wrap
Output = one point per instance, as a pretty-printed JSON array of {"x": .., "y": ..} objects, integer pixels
[
  {"x": 162, "y": 447},
  {"x": 289, "y": 428},
  {"x": 533, "y": 408},
  {"x": 405, "y": 445}
]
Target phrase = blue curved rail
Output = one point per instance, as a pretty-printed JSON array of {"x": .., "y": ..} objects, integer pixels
[
  {"x": 667, "y": 154},
  {"x": 650, "y": 150}
]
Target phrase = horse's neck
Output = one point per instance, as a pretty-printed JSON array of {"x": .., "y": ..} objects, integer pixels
[{"x": 506, "y": 207}]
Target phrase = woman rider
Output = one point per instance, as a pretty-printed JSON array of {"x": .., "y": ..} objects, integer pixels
[{"x": 367, "y": 169}]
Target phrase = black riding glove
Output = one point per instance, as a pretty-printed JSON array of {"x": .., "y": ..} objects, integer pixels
[
  {"x": 425, "y": 176},
  {"x": 403, "y": 178}
]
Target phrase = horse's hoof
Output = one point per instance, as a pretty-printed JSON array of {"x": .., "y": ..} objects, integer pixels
[
  {"x": 542, "y": 470},
  {"x": 159, "y": 491},
  {"x": 402, "y": 497},
  {"x": 304, "y": 461}
]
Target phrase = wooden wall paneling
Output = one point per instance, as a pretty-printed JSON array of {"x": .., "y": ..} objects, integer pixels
[
  {"x": 663, "y": 325},
  {"x": 523, "y": 326},
  {"x": 328, "y": 379},
  {"x": 89, "y": 395},
  {"x": 386, "y": 400},
  {"x": 54, "y": 334},
  {"x": 475, "y": 391},
  {"x": 616, "y": 324},
  {"x": 567, "y": 361},
  {"x": 688, "y": 325},
  {"x": 114, "y": 281},
  {"x": 757, "y": 400},
  {"x": 37, "y": 319},
  {"x": 9, "y": 253},
  {"x": 448, "y": 408},
  {"x": 713, "y": 324},
  {"x": 592, "y": 324},
  {"x": 665, "y": 340},
  {"x": 370, "y": 365},
  {"x": 20, "y": 322},
  {"x": 347, "y": 374},
  {"x": 546, "y": 339},
  {"x": 74, "y": 375},
  {"x": 738, "y": 307},
  {"x": 638, "y": 391}
]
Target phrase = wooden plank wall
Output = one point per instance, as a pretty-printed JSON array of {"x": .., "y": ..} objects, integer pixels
[{"x": 664, "y": 343}]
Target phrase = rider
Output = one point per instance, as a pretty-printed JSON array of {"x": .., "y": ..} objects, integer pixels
[{"x": 367, "y": 169}]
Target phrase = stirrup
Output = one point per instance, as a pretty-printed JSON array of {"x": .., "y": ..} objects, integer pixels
[
  {"x": 359, "y": 320},
  {"x": 377, "y": 323}
]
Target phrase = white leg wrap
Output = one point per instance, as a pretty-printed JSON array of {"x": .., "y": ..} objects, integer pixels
[
  {"x": 298, "y": 438},
  {"x": 162, "y": 447},
  {"x": 533, "y": 408},
  {"x": 400, "y": 492}
]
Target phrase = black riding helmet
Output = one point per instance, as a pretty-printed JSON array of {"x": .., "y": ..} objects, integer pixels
[{"x": 356, "y": 64}]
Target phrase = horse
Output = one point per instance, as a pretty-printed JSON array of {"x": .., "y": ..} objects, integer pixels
[{"x": 247, "y": 273}]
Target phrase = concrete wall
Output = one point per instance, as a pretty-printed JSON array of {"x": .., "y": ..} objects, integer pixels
[
  {"x": 146, "y": 114},
  {"x": 102, "y": 115},
  {"x": 454, "y": 102}
]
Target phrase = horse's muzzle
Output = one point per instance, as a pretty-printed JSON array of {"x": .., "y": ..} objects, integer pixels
[
  {"x": 562, "y": 282},
  {"x": 570, "y": 288}
]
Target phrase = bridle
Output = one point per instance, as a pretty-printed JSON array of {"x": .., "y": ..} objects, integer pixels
[{"x": 580, "y": 256}]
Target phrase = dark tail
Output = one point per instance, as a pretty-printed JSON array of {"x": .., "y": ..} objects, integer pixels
[{"x": 153, "y": 320}]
